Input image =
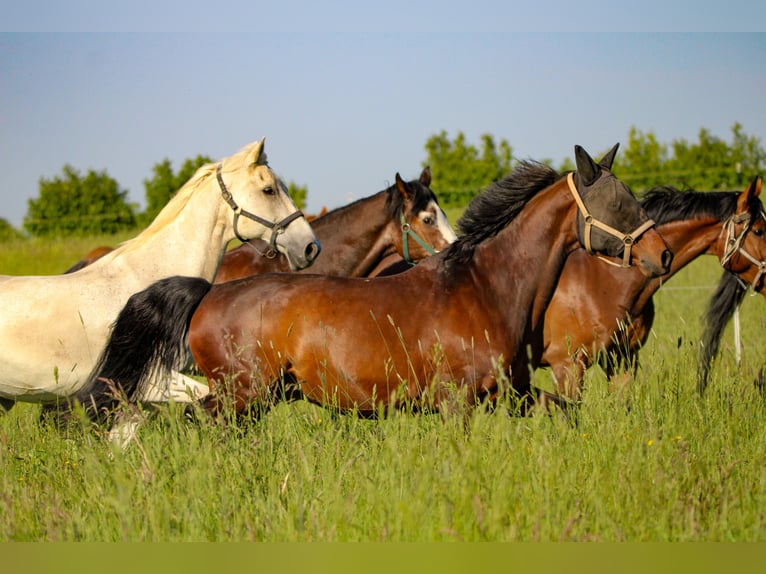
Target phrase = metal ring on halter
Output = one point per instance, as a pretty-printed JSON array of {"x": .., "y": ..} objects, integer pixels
[
  {"x": 407, "y": 232},
  {"x": 276, "y": 228},
  {"x": 628, "y": 239}
]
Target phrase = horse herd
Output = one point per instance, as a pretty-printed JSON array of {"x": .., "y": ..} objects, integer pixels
[{"x": 397, "y": 311}]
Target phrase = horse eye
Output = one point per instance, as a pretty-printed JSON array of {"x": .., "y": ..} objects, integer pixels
[
  {"x": 268, "y": 190},
  {"x": 428, "y": 220},
  {"x": 758, "y": 231}
]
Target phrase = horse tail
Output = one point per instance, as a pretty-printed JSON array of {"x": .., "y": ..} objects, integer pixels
[
  {"x": 728, "y": 295},
  {"x": 148, "y": 339}
]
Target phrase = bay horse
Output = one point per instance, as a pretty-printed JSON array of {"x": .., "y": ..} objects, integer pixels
[
  {"x": 730, "y": 291},
  {"x": 54, "y": 328},
  {"x": 403, "y": 219},
  {"x": 601, "y": 313},
  {"x": 442, "y": 333}
]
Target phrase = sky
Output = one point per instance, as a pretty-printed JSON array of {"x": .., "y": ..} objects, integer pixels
[{"x": 347, "y": 99}]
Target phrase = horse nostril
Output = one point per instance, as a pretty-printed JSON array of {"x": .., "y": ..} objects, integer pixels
[
  {"x": 312, "y": 250},
  {"x": 667, "y": 259}
]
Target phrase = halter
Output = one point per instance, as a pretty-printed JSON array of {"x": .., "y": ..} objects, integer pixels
[
  {"x": 407, "y": 232},
  {"x": 628, "y": 239},
  {"x": 734, "y": 245},
  {"x": 276, "y": 228}
]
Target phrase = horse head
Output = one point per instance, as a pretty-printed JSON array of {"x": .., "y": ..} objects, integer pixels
[
  {"x": 424, "y": 226},
  {"x": 743, "y": 249},
  {"x": 611, "y": 221},
  {"x": 262, "y": 209}
]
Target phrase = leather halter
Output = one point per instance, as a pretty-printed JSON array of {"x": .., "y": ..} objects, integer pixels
[
  {"x": 734, "y": 245},
  {"x": 276, "y": 228},
  {"x": 408, "y": 232},
  {"x": 628, "y": 239}
]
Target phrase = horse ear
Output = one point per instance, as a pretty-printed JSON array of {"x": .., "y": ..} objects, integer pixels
[
  {"x": 608, "y": 159},
  {"x": 748, "y": 196},
  {"x": 425, "y": 176},
  {"x": 402, "y": 187},
  {"x": 256, "y": 154},
  {"x": 587, "y": 169}
]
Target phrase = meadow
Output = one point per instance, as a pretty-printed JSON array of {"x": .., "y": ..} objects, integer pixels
[{"x": 656, "y": 463}]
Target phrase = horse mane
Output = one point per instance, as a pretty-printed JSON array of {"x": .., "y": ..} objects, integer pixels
[
  {"x": 494, "y": 208},
  {"x": 178, "y": 202},
  {"x": 665, "y": 203},
  {"x": 728, "y": 295}
]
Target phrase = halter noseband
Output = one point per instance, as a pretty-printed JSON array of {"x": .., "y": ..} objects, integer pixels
[
  {"x": 734, "y": 245},
  {"x": 408, "y": 232},
  {"x": 276, "y": 228},
  {"x": 628, "y": 239}
]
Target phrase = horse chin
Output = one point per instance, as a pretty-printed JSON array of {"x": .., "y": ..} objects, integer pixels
[
  {"x": 304, "y": 259},
  {"x": 653, "y": 269}
]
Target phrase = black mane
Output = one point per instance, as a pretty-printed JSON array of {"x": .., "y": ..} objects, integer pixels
[
  {"x": 666, "y": 203},
  {"x": 493, "y": 209}
]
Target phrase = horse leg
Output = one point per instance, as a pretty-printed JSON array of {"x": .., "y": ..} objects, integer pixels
[
  {"x": 621, "y": 372},
  {"x": 248, "y": 402},
  {"x": 179, "y": 388},
  {"x": 548, "y": 402},
  {"x": 568, "y": 374},
  {"x": 124, "y": 428},
  {"x": 6, "y": 405}
]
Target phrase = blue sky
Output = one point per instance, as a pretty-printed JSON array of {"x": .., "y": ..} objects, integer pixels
[{"x": 345, "y": 106}]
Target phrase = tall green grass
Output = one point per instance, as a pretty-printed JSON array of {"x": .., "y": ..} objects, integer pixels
[{"x": 660, "y": 463}]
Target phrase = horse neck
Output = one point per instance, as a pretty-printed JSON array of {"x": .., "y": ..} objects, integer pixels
[
  {"x": 523, "y": 262},
  {"x": 687, "y": 239},
  {"x": 354, "y": 238},
  {"x": 192, "y": 244}
]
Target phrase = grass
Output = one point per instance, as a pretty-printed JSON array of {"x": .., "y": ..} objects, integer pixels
[{"x": 660, "y": 464}]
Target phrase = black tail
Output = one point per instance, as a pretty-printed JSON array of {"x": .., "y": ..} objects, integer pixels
[
  {"x": 148, "y": 339},
  {"x": 723, "y": 303}
]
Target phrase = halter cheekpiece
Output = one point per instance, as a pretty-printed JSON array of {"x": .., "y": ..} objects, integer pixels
[
  {"x": 734, "y": 245},
  {"x": 276, "y": 228},
  {"x": 408, "y": 232},
  {"x": 628, "y": 239}
]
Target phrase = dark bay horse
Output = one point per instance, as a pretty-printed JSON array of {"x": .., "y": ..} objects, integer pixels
[
  {"x": 601, "y": 313},
  {"x": 444, "y": 333},
  {"x": 404, "y": 219}
]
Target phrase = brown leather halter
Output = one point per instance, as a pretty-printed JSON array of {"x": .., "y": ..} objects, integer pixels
[{"x": 628, "y": 239}]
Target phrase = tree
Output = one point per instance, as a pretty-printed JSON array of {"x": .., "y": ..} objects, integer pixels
[
  {"x": 8, "y": 232},
  {"x": 298, "y": 193},
  {"x": 707, "y": 164},
  {"x": 642, "y": 160},
  {"x": 460, "y": 170},
  {"x": 75, "y": 205},
  {"x": 164, "y": 184}
]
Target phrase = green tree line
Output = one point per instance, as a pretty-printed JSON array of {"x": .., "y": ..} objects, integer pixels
[
  {"x": 94, "y": 203},
  {"x": 461, "y": 170}
]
